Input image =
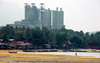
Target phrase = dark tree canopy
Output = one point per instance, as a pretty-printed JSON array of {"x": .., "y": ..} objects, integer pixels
[
  {"x": 76, "y": 41},
  {"x": 5, "y": 39},
  {"x": 55, "y": 37}
]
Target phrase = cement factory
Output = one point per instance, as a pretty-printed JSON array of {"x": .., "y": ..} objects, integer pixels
[{"x": 39, "y": 17}]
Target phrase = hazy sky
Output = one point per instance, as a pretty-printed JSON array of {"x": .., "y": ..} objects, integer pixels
[{"x": 78, "y": 14}]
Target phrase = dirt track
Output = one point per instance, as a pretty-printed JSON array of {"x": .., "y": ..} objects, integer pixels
[{"x": 44, "y": 58}]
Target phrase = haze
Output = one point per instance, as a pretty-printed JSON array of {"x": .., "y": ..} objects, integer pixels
[{"x": 78, "y": 14}]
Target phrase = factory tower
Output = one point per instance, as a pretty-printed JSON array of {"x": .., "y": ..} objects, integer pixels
[{"x": 38, "y": 17}]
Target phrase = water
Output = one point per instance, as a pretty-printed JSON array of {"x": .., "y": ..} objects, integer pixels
[{"x": 92, "y": 54}]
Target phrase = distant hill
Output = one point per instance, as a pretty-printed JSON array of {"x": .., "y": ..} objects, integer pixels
[
  {"x": 9, "y": 13},
  {"x": 93, "y": 32}
]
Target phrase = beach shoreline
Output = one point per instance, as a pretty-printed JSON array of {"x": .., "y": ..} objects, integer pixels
[{"x": 6, "y": 57}]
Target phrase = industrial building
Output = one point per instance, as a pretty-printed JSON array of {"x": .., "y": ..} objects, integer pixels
[{"x": 38, "y": 17}]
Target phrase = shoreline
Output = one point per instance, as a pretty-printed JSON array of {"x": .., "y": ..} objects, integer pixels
[
  {"x": 6, "y": 57},
  {"x": 85, "y": 54}
]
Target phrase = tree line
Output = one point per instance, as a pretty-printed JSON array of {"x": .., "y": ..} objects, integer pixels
[{"x": 58, "y": 38}]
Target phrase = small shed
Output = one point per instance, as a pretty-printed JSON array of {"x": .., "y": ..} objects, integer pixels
[
  {"x": 13, "y": 41},
  {"x": 1, "y": 40},
  {"x": 47, "y": 46},
  {"x": 4, "y": 46}
]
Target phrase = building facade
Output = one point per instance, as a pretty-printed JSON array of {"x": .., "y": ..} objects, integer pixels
[{"x": 38, "y": 17}]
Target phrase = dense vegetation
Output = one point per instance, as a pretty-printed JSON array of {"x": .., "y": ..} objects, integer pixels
[{"x": 58, "y": 38}]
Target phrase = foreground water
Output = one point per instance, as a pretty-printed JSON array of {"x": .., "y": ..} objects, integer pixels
[{"x": 92, "y": 54}]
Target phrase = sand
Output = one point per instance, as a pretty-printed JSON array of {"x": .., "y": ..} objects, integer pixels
[{"x": 6, "y": 57}]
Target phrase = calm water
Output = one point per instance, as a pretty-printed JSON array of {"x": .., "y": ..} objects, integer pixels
[{"x": 93, "y": 54}]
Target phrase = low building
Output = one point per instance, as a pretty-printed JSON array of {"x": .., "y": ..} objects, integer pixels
[
  {"x": 4, "y": 46},
  {"x": 47, "y": 46},
  {"x": 1, "y": 40},
  {"x": 13, "y": 41}
]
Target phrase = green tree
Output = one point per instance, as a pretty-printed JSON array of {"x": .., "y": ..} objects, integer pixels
[
  {"x": 61, "y": 39},
  {"x": 19, "y": 35},
  {"x": 37, "y": 37},
  {"x": 5, "y": 39},
  {"x": 11, "y": 36},
  {"x": 46, "y": 35},
  {"x": 28, "y": 35},
  {"x": 76, "y": 41}
]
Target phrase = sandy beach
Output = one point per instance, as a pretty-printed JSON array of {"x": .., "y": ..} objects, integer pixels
[{"x": 6, "y": 57}]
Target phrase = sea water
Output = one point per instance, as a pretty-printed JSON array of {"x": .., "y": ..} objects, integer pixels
[{"x": 91, "y": 54}]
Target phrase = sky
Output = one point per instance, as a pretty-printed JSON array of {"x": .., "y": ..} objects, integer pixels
[{"x": 78, "y": 14}]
